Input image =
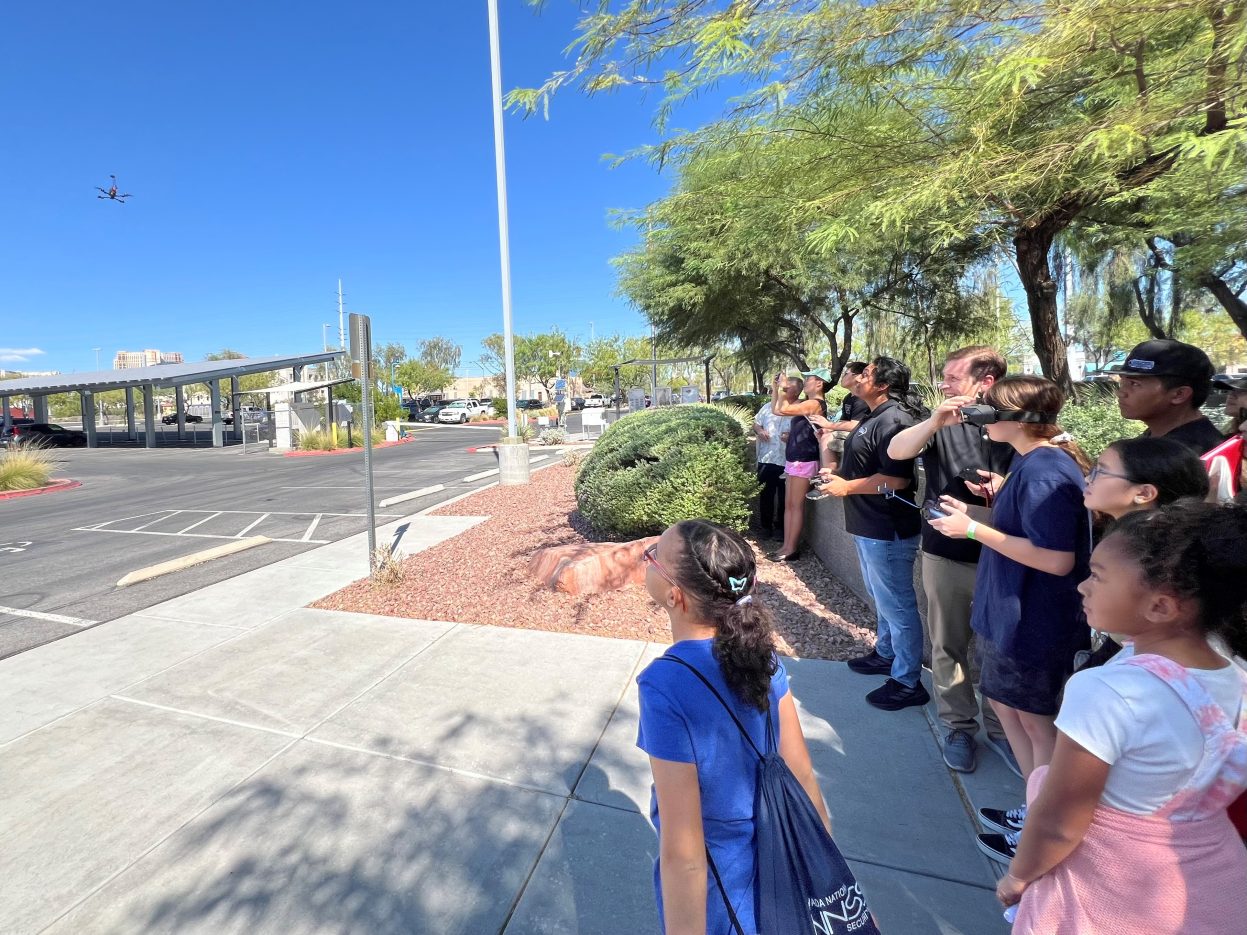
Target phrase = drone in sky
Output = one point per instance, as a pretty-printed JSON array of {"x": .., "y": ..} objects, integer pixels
[{"x": 111, "y": 192}]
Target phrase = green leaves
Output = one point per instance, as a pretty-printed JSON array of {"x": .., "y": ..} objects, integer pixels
[{"x": 657, "y": 467}]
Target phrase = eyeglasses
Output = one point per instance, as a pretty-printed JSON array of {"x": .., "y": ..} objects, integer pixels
[
  {"x": 650, "y": 556},
  {"x": 1098, "y": 471}
]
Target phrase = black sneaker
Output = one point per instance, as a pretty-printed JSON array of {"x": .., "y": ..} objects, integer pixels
[
  {"x": 1004, "y": 822},
  {"x": 871, "y": 664},
  {"x": 1000, "y": 847},
  {"x": 894, "y": 695},
  {"x": 958, "y": 749}
]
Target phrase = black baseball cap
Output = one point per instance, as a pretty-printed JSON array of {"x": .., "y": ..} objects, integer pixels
[
  {"x": 1224, "y": 381},
  {"x": 1168, "y": 359}
]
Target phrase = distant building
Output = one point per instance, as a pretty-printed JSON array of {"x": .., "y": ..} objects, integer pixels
[{"x": 127, "y": 360}]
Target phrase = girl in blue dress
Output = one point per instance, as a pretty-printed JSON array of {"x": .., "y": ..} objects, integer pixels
[{"x": 705, "y": 775}]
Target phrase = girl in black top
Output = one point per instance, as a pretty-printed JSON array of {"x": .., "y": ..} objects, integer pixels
[{"x": 801, "y": 454}]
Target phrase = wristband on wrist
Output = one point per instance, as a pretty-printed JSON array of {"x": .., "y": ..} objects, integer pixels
[{"x": 971, "y": 528}]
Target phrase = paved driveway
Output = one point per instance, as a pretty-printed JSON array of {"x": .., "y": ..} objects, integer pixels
[{"x": 62, "y": 554}]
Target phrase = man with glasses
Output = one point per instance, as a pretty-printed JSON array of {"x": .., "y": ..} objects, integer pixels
[
  {"x": 949, "y": 449},
  {"x": 1163, "y": 384}
]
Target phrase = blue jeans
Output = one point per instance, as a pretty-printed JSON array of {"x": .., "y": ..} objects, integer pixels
[{"x": 888, "y": 567}]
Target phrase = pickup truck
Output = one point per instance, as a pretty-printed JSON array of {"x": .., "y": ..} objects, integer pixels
[{"x": 596, "y": 401}]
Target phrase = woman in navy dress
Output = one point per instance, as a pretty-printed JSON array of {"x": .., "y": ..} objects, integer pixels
[{"x": 705, "y": 775}]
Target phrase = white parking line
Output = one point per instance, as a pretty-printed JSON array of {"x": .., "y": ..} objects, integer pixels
[
  {"x": 200, "y": 523},
  {"x": 193, "y": 535},
  {"x": 311, "y": 528},
  {"x": 51, "y": 618},
  {"x": 254, "y": 525},
  {"x": 472, "y": 477},
  {"x": 190, "y": 532},
  {"x": 168, "y": 514}
]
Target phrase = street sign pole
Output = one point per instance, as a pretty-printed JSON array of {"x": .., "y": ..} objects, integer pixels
[{"x": 361, "y": 366}]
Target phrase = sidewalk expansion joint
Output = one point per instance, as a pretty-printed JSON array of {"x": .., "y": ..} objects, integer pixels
[
  {"x": 207, "y": 717},
  {"x": 441, "y": 767}
]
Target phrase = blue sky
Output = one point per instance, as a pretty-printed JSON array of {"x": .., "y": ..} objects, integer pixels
[{"x": 272, "y": 148}]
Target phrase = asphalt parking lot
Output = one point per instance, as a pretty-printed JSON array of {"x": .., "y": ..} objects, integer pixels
[{"x": 61, "y": 554}]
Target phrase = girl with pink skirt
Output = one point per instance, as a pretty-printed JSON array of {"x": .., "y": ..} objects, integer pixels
[{"x": 1127, "y": 830}]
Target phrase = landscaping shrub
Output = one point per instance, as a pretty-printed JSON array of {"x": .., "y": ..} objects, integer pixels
[
  {"x": 751, "y": 401},
  {"x": 573, "y": 457},
  {"x": 653, "y": 468},
  {"x": 524, "y": 432},
  {"x": 25, "y": 467},
  {"x": 1093, "y": 419},
  {"x": 318, "y": 440},
  {"x": 553, "y": 437}
]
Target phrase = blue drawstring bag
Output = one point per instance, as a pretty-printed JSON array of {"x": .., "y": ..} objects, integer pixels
[{"x": 805, "y": 887}]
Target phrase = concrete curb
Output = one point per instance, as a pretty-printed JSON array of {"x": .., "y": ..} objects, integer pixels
[
  {"x": 413, "y": 495},
  {"x": 186, "y": 561},
  {"x": 344, "y": 451},
  {"x": 54, "y": 487}
]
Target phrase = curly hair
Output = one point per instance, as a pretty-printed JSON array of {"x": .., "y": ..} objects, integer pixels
[
  {"x": 1197, "y": 551},
  {"x": 1037, "y": 394},
  {"x": 717, "y": 569}
]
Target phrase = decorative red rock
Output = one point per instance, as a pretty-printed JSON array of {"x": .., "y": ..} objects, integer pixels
[{"x": 591, "y": 567}]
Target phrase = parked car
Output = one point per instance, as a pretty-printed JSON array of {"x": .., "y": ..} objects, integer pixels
[
  {"x": 6, "y": 432},
  {"x": 718, "y": 395},
  {"x": 460, "y": 410},
  {"x": 172, "y": 418},
  {"x": 596, "y": 401},
  {"x": 526, "y": 404},
  {"x": 578, "y": 403},
  {"x": 47, "y": 434},
  {"x": 431, "y": 413}
]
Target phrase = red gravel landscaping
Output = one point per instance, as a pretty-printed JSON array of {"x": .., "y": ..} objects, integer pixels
[{"x": 816, "y": 615}]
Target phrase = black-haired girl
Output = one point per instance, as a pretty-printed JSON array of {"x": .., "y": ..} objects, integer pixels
[
  {"x": 1144, "y": 473},
  {"x": 1127, "y": 829},
  {"x": 704, "y": 576}
]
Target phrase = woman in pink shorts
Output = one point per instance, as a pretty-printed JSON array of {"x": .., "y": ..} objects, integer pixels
[{"x": 801, "y": 453}]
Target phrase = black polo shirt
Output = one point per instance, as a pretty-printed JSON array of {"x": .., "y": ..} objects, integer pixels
[
  {"x": 952, "y": 450},
  {"x": 874, "y": 516},
  {"x": 1200, "y": 435},
  {"x": 853, "y": 409}
]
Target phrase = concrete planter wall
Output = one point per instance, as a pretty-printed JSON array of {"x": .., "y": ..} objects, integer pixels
[{"x": 513, "y": 468}]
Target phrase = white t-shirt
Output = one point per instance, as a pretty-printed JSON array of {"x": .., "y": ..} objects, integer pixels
[
  {"x": 1133, "y": 721},
  {"x": 772, "y": 452}
]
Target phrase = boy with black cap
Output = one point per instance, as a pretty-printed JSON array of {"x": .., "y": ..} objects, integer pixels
[{"x": 1163, "y": 384}]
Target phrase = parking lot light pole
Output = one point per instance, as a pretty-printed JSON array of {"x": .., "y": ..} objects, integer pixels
[{"x": 504, "y": 240}]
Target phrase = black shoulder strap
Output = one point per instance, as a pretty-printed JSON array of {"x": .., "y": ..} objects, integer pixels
[{"x": 726, "y": 707}]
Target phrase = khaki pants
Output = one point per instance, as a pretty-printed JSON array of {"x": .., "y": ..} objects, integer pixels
[{"x": 949, "y": 587}]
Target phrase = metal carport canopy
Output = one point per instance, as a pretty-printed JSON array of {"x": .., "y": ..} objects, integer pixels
[{"x": 201, "y": 371}]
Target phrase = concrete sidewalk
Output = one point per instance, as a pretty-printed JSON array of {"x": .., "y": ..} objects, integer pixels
[{"x": 231, "y": 761}]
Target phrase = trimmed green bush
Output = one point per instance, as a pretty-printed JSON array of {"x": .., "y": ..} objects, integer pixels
[
  {"x": 1095, "y": 422},
  {"x": 657, "y": 467}
]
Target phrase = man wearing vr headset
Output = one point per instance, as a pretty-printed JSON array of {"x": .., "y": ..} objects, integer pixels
[{"x": 953, "y": 450}]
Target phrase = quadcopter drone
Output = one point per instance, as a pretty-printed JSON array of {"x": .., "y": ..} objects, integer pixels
[{"x": 111, "y": 192}]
